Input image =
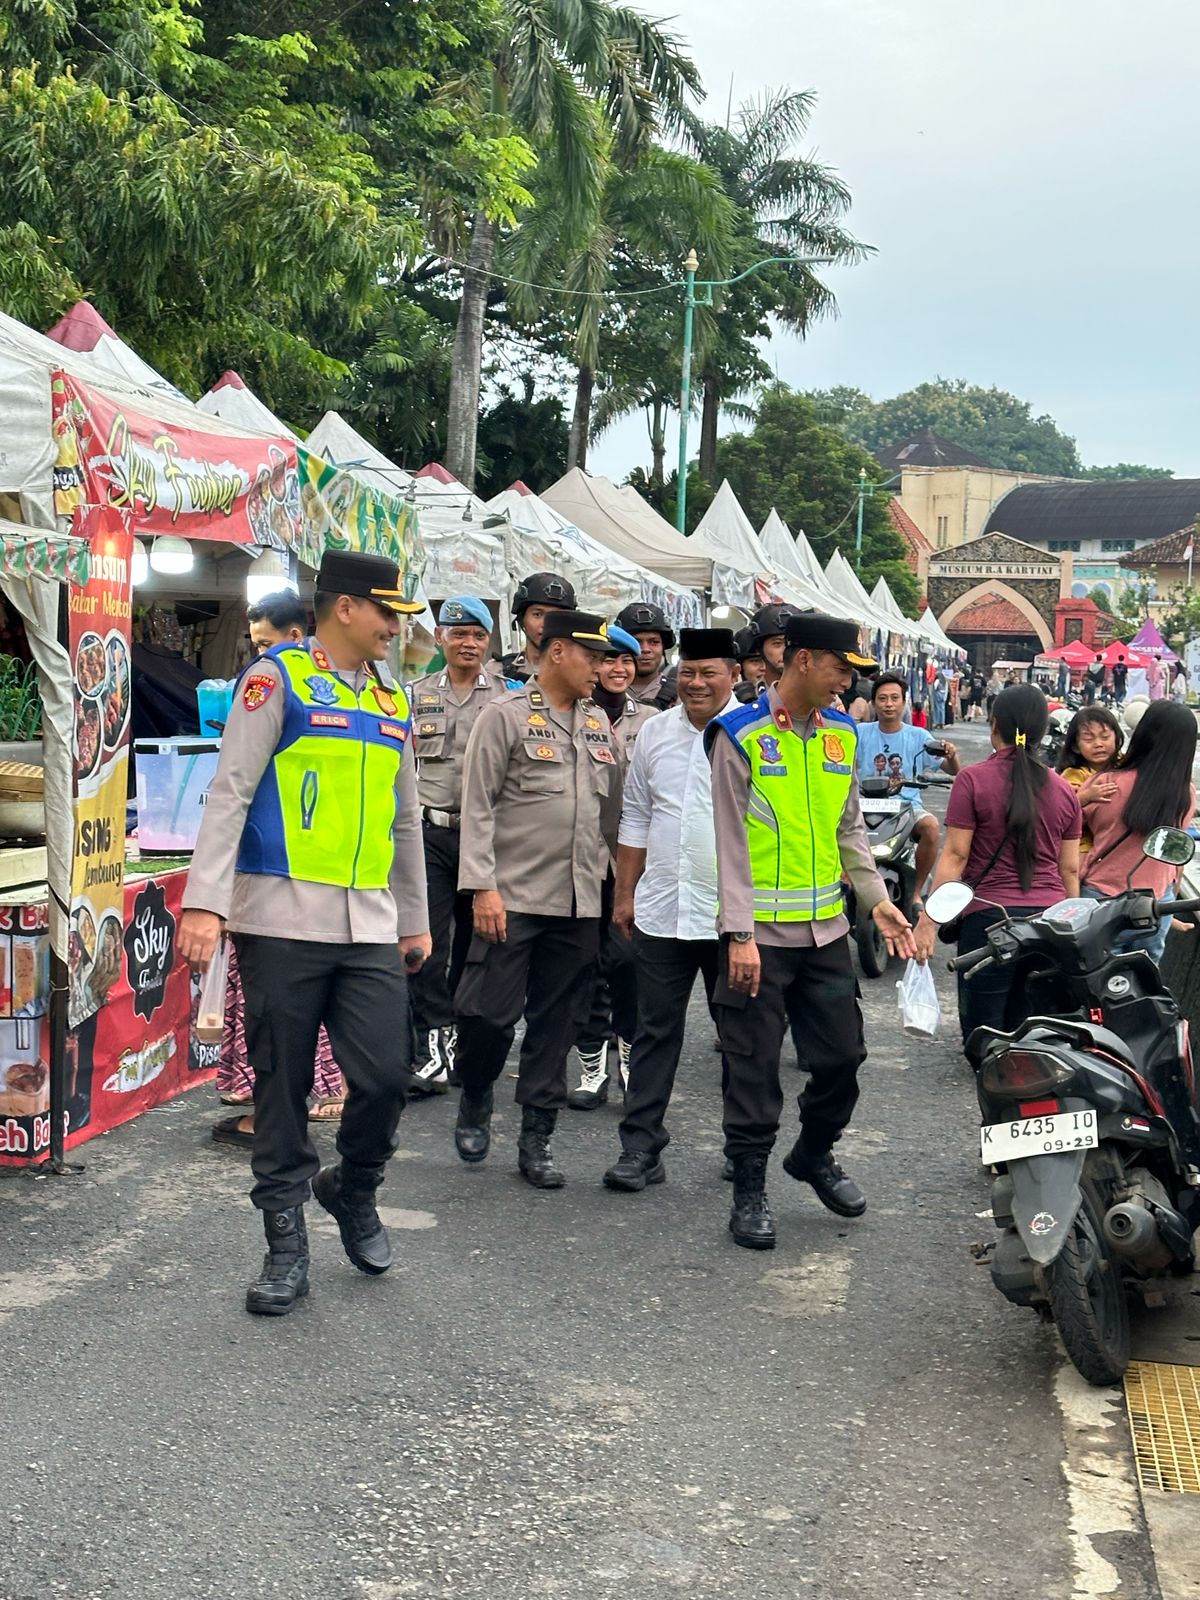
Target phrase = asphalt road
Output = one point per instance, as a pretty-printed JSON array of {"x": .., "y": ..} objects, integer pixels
[{"x": 559, "y": 1394}]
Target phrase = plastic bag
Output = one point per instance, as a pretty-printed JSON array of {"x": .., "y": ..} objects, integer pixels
[
  {"x": 210, "y": 1012},
  {"x": 920, "y": 1009}
]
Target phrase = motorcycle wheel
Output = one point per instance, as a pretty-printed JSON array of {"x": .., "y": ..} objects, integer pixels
[
  {"x": 1088, "y": 1300},
  {"x": 872, "y": 947}
]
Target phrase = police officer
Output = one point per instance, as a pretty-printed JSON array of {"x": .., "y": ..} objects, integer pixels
[
  {"x": 748, "y": 650},
  {"x": 536, "y": 597},
  {"x": 769, "y": 624},
  {"x": 788, "y": 825},
  {"x": 310, "y": 855},
  {"x": 613, "y": 999},
  {"x": 654, "y": 685},
  {"x": 445, "y": 707},
  {"x": 542, "y": 787}
]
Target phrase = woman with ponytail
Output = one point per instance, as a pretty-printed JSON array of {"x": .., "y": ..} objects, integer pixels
[
  {"x": 1151, "y": 788},
  {"x": 1012, "y": 834}
]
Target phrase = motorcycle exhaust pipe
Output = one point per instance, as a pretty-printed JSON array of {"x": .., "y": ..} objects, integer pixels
[{"x": 1133, "y": 1233}]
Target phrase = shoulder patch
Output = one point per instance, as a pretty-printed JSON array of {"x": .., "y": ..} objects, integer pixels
[{"x": 257, "y": 690}]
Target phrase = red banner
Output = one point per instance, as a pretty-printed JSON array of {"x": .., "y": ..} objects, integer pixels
[
  {"x": 135, "y": 1052},
  {"x": 172, "y": 479}
]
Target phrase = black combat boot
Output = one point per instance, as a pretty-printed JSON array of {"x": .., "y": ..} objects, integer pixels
[
  {"x": 533, "y": 1149},
  {"x": 635, "y": 1170},
  {"x": 831, "y": 1185},
  {"x": 750, "y": 1220},
  {"x": 473, "y": 1130},
  {"x": 284, "y": 1275},
  {"x": 347, "y": 1192}
]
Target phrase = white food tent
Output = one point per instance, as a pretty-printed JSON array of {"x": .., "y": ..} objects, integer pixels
[
  {"x": 842, "y": 578},
  {"x": 740, "y": 564},
  {"x": 230, "y": 398},
  {"x": 622, "y": 520},
  {"x": 85, "y": 331}
]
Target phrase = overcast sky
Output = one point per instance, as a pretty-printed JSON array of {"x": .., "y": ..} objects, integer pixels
[{"x": 1029, "y": 172}]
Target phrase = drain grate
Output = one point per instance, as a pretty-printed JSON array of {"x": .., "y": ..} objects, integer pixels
[{"x": 1164, "y": 1414}]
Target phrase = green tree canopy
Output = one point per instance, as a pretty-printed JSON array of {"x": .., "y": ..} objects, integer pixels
[
  {"x": 1125, "y": 472},
  {"x": 995, "y": 425},
  {"x": 809, "y": 472}
]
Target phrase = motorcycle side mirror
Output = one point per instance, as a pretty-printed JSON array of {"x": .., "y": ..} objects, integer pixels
[
  {"x": 935, "y": 748},
  {"x": 948, "y": 902},
  {"x": 1171, "y": 845}
]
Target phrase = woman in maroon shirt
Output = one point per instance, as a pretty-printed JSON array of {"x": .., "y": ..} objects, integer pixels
[{"x": 1012, "y": 834}]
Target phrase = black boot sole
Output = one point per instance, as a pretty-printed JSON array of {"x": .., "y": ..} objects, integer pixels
[
  {"x": 266, "y": 1309},
  {"x": 577, "y": 1102},
  {"x": 823, "y": 1195},
  {"x": 655, "y": 1174},
  {"x": 472, "y": 1157},
  {"x": 751, "y": 1241},
  {"x": 550, "y": 1181}
]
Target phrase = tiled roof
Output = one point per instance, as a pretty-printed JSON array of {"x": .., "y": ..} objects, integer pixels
[
  {"x": 1169, "y": 551},
  {"x": 991, "y": 614},
  {"x": 913, "y": 538},
  {"x": 927, "y": 449},
  {"x": 1153, "y": 509}
]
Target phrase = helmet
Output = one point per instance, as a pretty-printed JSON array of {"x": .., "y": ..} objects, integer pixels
[
  {"x": 644, "y": 617},
  {"x": 543, "y": 589},
  {"x": 747, "y": 644},
  {"x": 771, "y": 620}
]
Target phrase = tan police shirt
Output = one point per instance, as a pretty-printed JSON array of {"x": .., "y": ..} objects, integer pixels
[
  {"x": 285, "y": 908},
  {"x": 627, "y": 727},
  {"x": 443, "y": 718},
  {"x": 541, "y": 789}
]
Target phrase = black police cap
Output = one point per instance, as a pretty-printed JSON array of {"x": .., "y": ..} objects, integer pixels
[
  {"x": 366, "y": 577},
  {"x": 813, "y": 630}
]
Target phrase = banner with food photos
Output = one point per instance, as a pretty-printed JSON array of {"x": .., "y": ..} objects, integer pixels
[
  {"x": 340, "y": 512},
  {"x": 182, "y": 479},
  {"x": 99, "y": 642}
]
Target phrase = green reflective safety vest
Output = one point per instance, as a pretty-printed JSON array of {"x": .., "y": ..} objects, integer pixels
[
  {"x": 798, "y": 790},
  {"x": 325, "y": 807}
]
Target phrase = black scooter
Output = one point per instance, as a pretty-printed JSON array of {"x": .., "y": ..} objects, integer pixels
[
  {"x": 1091, "y": 1122},
  {"x": 890, "y": 821}
]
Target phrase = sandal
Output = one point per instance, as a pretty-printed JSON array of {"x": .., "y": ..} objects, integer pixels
[
  {"x": 230, "y": 1131},
  {"x": 327, "y": 1109},
  {"x": 234, "y": 1097}
]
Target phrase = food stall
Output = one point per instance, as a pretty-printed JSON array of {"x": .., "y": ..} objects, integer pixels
[{"x": 95, "y": 1005}]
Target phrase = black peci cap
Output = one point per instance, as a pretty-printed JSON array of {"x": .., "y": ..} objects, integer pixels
[
  {"x": 543, "y": 589},
  {"x": 813, "y": 630},
  {"x": 645, "y": 617},
  {"x": 366, "y": 577},
  {"x": 706, "y": 644},
  {"x": 582, "y": 627}
]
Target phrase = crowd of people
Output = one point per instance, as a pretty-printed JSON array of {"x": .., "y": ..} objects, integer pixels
[{"x": 570, "y": 836}]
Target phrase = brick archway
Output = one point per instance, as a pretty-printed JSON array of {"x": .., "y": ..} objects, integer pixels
[{"x": 996, "y": 586}]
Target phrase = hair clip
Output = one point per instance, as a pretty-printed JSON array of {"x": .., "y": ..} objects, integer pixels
[{"x": 1020, "y": 739}]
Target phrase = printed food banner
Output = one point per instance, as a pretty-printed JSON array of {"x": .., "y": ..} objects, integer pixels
[
  {"x": 177, "y": 480},
  {"x": 338, "y": 512},
  {"x": 98, "y": 634},
  {"x": 138, "y": 1050}
]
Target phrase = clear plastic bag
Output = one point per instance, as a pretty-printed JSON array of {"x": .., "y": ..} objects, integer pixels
[
  {"x": 920, "y": 1009},
  {"x": 210, "y": 1012}
]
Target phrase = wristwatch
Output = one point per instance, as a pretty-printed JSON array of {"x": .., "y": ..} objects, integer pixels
[{"x": 741, "y": 938}]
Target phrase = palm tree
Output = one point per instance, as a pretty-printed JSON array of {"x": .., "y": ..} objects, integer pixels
[
  {"x": 570, "y": 75},
  {"x": 791, "y": 205},
  {"x": 648, "y": 216}
]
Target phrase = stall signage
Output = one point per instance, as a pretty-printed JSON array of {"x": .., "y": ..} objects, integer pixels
[
  {"x": 171, "y": 478},
  {"x": 98, "y": 639},
  {"x": 149, "y": 949},
  {"x": 340, "y": 512}
]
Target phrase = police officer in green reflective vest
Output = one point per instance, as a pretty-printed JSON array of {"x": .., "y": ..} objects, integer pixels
[
  {"x": 788, "y": 827},
  {"x": 310, "y": 854}
]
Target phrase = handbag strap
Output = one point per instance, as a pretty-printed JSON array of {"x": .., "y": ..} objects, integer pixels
[
  {"x": 995, "y": 857},
  {"x": 1095, "y": 857}
]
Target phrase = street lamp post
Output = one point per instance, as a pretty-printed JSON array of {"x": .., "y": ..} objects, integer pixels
[
  {"x": 864, "y": 489},
  {"x": 690, "y": 301}
]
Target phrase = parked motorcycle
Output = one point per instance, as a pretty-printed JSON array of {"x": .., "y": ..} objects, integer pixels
[
  {"x": 1057, "y": 725},
  {"x": 891, "y": 820},
  {"x": 1090, "y": 1117}
]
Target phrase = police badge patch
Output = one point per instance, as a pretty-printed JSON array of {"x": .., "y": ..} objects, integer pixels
[
  {"x": 257, "y": 690},
  {"x": 384, "y": 701},
  {"x": 322, "y": 690}
]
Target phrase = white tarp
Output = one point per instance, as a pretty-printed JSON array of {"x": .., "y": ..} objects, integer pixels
[
  {"x": 776, "y": 540},
  {"x": 726, "y": 534},
  {"x": 622, "y": 520},
  {"x": 540, "y": 540},
  {"x": 230, "y": 398},
  {"x": 84, "y": 330},
  {"x": 842, "y": 578}
]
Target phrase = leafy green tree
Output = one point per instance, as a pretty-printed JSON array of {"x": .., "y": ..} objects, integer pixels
[
  {"x": 577, "y": 78},
  {"x": 809, "y": 473},
  {"x": 1125, "y": 472},
  {"x": 522, "y": 437},
  {"x": 995, "y": 425},
  {"x": 1100, "y": 597},
  {"x": 788, "y": 205},
  {"x": 1132, "y": 609}
]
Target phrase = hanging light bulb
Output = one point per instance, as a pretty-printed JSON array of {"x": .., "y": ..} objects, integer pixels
[
  {"x": 140, "y": 567},
  {"x": 170, "y": 554}
]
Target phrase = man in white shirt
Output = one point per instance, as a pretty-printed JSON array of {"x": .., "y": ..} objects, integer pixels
[{"x": 666, "y": 891}]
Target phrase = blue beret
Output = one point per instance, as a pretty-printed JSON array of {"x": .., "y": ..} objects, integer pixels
[
  {"x": 626, "y": 644},
  {"x": 462, "y": 608}
]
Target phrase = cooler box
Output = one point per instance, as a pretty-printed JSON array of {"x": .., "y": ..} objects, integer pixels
[
  {"x": 214, "y": 702},
  {"x": 173, "y": 776}
]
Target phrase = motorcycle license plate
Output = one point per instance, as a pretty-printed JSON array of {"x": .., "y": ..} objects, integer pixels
[
  {"x": 882, "y": 808},
  {"x": 1037, "y": 1136}
]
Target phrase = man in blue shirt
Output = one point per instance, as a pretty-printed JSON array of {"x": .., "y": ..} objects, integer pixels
[{"x": 902, "y": 748}]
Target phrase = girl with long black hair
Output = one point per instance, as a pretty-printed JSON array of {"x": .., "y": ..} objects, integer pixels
[
  {"x": 1152, "y": 788},
  {"x": 1012, "y": 834},
  {"x": 1089, "y": 753}
]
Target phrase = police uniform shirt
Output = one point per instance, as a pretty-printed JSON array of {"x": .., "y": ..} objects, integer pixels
[
  {"x": 442, "y": 724},
  {"x": 731, "y": 797},
  {"x": 655, "y": 691},
  {"x": 628, "y": 725},
  {"x": 541, "y": 789},
  {"x": 286, "y": 908}
]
